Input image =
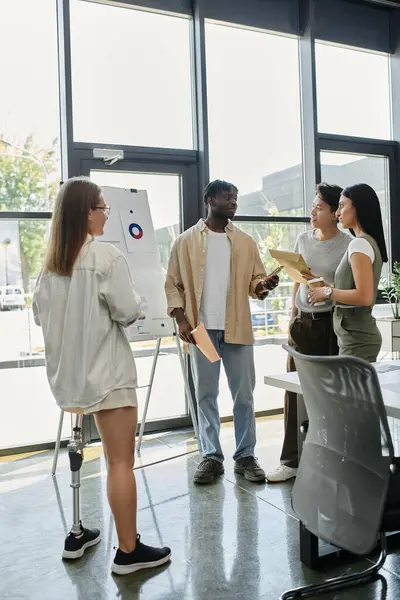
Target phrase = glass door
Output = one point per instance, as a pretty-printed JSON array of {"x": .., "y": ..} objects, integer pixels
[{"x": 165, "y": 186}]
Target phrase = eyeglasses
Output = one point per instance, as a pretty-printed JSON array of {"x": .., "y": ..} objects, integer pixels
[{"x": 106, "y": 209}]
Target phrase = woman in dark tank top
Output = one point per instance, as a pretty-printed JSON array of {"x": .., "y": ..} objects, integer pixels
[{"x": 357, "y": 277}]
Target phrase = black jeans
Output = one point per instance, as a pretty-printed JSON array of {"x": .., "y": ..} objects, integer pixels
[{"x": 311, "y": 334}]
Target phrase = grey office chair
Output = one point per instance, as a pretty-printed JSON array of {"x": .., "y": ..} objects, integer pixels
[{"x": 347, "y": 490}]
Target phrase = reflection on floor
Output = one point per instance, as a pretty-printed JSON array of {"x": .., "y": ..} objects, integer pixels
[{"x": 230, "y": 541}]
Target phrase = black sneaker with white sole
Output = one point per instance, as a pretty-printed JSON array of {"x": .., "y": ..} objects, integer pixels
[
  {"x": 143, "y": 557},
  {"x": 75, "y": 545},
  {"x": 250, "y": 468},
  {"x": 208, "y": 470}
]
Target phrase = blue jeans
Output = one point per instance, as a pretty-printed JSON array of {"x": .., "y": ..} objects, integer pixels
[{"x": 238, "y": 361}]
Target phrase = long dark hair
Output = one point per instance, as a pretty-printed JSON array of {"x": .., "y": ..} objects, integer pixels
[
  {"x": 69, "y": 227},
  {"x": 368, "y": 211}
]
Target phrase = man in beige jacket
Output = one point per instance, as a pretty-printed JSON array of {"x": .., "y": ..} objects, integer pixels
[{"x": 213, "y": 269}]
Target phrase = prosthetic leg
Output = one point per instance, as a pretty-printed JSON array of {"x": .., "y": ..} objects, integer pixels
[
  {"x": 79, "y": 538},
  {"x": 75, "y": 455}
]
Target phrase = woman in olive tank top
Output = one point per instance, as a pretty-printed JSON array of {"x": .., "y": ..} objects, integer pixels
[{"x": 357, "y": 276}]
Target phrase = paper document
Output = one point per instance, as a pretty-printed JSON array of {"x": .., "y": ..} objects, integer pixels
[
  {"x": 294, "y": 264},
  {"x": 204, "y": 343}
]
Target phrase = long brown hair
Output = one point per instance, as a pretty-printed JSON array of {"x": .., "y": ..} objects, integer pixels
[{"x": 69, "y": 228}]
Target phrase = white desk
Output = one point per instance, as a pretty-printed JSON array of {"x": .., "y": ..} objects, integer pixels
[{"x": 388, "y": 374}]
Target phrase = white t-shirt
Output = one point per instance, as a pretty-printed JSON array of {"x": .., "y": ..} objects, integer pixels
[
  {"x": 362, "y": 246},
  {"x": 217, "y": 280}
]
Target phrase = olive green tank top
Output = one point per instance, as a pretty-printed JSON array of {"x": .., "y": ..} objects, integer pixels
[{"x": 344, "y": 279}]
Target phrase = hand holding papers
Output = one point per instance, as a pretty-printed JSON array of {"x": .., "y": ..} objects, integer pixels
[
  {"x": 294, "y": 265},
  {"x": 204, "y": 344}
]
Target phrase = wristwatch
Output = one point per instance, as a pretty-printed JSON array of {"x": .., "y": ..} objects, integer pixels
[{"x": 328, "y": 291}]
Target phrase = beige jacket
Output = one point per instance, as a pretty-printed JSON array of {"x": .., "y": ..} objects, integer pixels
[{"x": 185, "y": 279}]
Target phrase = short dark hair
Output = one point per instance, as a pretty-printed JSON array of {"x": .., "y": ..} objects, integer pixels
[
  {"x": 330, "y": 194},
  {"x": 216, "y": 187},
  {"x": 368, "y": 211}
]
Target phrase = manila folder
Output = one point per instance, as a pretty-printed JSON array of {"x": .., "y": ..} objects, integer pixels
[
  {"x": 204, "y": 343},
  {"x": 293, "y": 263}
]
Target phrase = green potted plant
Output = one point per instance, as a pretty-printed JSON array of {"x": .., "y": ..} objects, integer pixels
[{"x": 391, "y": 290}]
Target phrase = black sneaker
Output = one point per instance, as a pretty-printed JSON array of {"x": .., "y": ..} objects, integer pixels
[
  {"x": 143, "y": 557},
  {"x": 249, "y": 467},
  {"x": 208, "y": 470},
  {"x": 75, "y": 545}
]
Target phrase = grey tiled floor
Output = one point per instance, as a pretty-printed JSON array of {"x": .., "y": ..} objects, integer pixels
[{"x": 230, "y": 541}]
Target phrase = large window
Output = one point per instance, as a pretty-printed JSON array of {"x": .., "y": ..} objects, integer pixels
[
  {"x": 131, "y": 76},
  {"x": 353, "y": 92},
  {"x": 254, "y": 118},
  {"x": 29, "y": 178},
  {"x": 138, "y": 76},
  {"x": 255, "y": 142},
  {"x": 270, "y": 317},
  {"x": 164, "y": 194},
  {"x": 347, "y": 169},
  {"x": 29, "y": 107},
  {"x": 24, "y": 392}
]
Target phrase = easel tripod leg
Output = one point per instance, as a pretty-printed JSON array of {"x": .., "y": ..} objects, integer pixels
[
  {"x": 149, "y": 388},
  {"x": 58, "y": 441},
  {"x": 187, "y": 388}
]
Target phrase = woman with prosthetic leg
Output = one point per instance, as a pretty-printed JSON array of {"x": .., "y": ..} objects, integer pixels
[{"x": 83, "y": 300}]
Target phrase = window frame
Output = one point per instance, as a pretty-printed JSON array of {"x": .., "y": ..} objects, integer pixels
[{"x": 307, "y": 23}]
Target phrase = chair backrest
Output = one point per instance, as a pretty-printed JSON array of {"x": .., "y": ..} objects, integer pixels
[{"x": 343, "y": 477}]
